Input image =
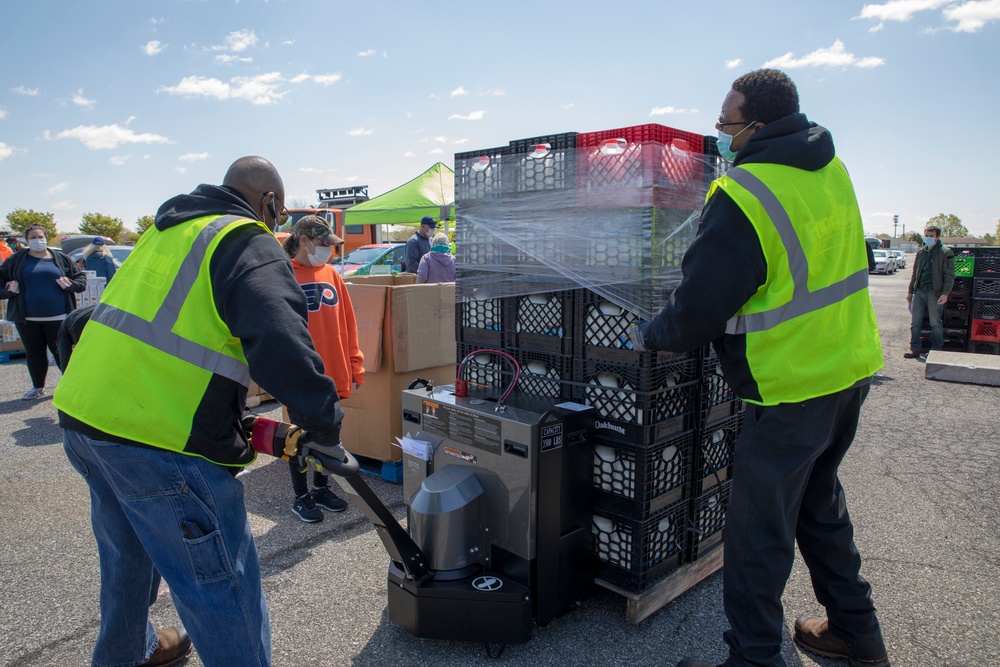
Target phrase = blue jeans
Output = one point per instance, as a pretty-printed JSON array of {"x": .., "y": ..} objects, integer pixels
[
  {"x": 925, "y": 303},
  {"x": 156, "y": 513}
]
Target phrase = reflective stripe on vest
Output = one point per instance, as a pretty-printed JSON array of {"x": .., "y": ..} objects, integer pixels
[
  {"x": 803, "y": 301},
  {"x": 158, "y": 333}
]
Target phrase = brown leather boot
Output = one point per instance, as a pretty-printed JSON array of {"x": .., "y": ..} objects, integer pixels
[
  {"x": 912, "y": 354},
  {"x": 814, "y": 635},
  {"x": 173, "y": 647}
]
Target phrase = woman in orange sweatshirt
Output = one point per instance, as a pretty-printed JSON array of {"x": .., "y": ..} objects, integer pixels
[{"x": 334, "y": 331}]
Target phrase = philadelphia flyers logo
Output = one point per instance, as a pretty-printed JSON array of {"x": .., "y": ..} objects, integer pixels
[{"x": 320, "y": 294}]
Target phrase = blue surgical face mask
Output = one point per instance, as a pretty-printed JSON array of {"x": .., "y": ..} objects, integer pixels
[
  {"x": 929, "y": 241},
  {"x": 36, "y": 244},
  {"x": 725, "y": 144}
]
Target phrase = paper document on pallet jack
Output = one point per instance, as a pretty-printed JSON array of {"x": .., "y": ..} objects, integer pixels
[{"x": 414, "y": 447}]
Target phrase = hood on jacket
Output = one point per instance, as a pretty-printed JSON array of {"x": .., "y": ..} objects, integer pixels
[
  {"x": 793, "y": 141},
  {"x": 204, "y": 200}
]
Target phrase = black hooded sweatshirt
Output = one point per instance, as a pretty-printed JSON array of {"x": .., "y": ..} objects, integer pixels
[
  {"x": 259, "y": 300},
  {"x": 725, "y": 263}
]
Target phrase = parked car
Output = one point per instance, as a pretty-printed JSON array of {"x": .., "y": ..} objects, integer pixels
[
  {"x": 884, "y": 262},
  {"x": 70, "y": 243},
  {"x": 118, "y": 252},
  {"x": 371, "y": 259},
  {"x": 900, "y": 258}
]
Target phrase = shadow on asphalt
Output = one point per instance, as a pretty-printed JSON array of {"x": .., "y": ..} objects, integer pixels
[{"x": 38, "y": 432}]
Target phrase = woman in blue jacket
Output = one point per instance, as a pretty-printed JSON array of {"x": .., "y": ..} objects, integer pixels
[{"x": 97, "y": 258}]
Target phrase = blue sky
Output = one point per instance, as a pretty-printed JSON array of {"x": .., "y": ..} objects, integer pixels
[{"x": 113, "y": 107}]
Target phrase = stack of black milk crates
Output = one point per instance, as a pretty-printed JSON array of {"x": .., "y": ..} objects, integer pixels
[
  {"x": 984, "y": 327},
  {"x": 720, "y": 419},
  {"x": 957, "y": 311}
]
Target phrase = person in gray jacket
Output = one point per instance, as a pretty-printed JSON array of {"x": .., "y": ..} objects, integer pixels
[
  {"x": 932, "y": 280},
  {"x": 419, "y": 244},
  {"x": 438, "y": 265}
]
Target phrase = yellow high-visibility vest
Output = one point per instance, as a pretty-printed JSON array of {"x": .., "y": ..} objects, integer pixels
[{"x": 810, "y": 328}]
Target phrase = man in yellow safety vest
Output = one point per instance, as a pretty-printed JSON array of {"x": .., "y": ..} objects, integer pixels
[
  {"x": 151, "y": 402},
  {"x": 795, "y": 331}
]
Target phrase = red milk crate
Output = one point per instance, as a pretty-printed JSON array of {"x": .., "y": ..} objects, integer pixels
[
  {"x": 644, "y": 156},
  {"x": 985, "y": 330},
  {"x": 635, "y": 554},
  {"x": 637, "y": 481}
]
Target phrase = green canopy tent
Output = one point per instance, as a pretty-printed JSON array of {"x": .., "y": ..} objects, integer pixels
[{"x": 430, "y": 193}]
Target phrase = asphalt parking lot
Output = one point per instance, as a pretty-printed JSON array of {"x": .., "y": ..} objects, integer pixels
[{"x": 921, "y": 481}]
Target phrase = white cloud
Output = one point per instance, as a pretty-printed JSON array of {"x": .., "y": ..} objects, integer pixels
[
  {"x": 835, "y": 56},
  {"x": 194, "y": 157},
  {"x": 365, "y": 54},
  {"x": 437, "y": 151},
  {"x": 23, "y": 90},
  {"x": 258, "y": 90},
  {"x": 119, "y": 160},
  {"x": 153, "y": 47},
  {"x": 327, "y": 79},
  {"x": 971, "y": 16},
  {"x": 409, "y": 154},
  {"x": 226, "y": 58},
  {"x": 475, "y": 115},
  {"x": 58, "y": 187},
  {"x": 669, "y": 110},
  {"x": 446, "y": 140},
  {"x": 459, "y": 92},
  {"x": 361, "y": 132},
  {"x": 288, "y": 42},
  {"x": 64, "y": 205},
  {"x": 102, "y": 137},
  {"x": 734, "y": 63},
  {"x": 180, "y": 170},
  {"x": 6, "y": 151},
  {"x": 80, "y": 100},
  {"x": 495, "y": 92},
  {"x": 568, "y": 105},
  {"x": 239, "y": 40},
  {"x": 311, "y": 170},
  {"x": 899, "y": 10},
  {"x": 3, "y": 114},
  {"x": 876, "y": 28}
]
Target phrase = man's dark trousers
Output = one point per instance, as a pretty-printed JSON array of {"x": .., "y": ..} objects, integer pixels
[{"x": 786, "y": 489}]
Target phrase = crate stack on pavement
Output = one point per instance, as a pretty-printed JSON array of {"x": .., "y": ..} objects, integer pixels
[
  {"x": 955, "y": 315},
  {"x": 562, "y": 241},
  {"x": 984, "y": 326}
]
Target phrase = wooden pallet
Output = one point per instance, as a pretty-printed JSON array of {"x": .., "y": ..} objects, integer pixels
[{"x": 643, "y": 605}]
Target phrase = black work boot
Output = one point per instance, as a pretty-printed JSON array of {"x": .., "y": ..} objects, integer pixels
[{"x": 814, "y": 635}]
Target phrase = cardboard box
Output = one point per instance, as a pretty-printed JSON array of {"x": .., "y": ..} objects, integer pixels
[
  {"x": 406, "y": 331},
  {"x": 256, "y": 395}
]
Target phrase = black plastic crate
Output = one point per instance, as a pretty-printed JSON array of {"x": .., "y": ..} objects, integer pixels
[
  {"x": 478, "y": 174},
  {"x": 542, "y": 375},
  {"x": 954, "y": 339},
  {"x": 601, "y": 328},
  {"x": 544, "y": 321},
  {"x": 635, "y": 554},
  {"x": 988, "y": 288},
  {"x": 986, "y": 309},
  {"x": 475, "y": 244},
  {"x": 638, "y": 481},
  {"x": 988, "y": 266},
  {"x": 962, "y": 286},
  {"x": 707, "y": 521},
  {"x": 955, "y": 319},
  {"x": 482, "y": 321},
  {"x": 713, "y": 453},
  {"x": 987, "y": 252},
  {"x": 718, "y": 400},
  {"x": 639, "y": 405},
  {"x": 540, "y": 163},
  {"x": 982, "y": 347}
]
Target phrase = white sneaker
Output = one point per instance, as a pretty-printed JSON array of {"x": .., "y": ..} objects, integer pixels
[{"x": 32, "y": 393}]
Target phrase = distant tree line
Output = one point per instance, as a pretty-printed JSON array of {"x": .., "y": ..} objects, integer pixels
[{"x": 91, "y": 224}]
